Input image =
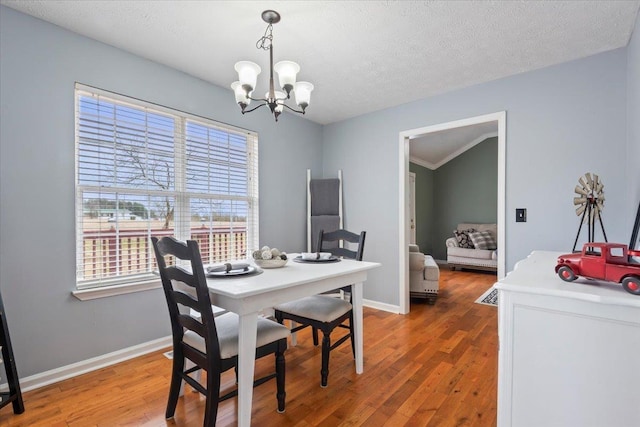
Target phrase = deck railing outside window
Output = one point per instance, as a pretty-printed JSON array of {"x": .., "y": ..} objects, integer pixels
[{"x": 130, "y": 252}]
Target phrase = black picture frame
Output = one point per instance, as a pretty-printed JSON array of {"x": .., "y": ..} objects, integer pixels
[{"x": 634, "y": 243}]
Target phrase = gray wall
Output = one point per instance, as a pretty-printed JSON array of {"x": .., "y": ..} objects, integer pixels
[
  {"x": 562, "y": 121},
  {"x": 466, "y": 190},
  {"x": 40, "y": 64},
  {"x": 424, "y": 207},
  {"x": 633, "y": 124}
]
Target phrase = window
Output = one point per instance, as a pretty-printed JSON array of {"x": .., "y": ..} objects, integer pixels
[
  {"x": 143, "y": 170},
  {"x": 593, "y": 251},
  {"x": 617, "y": 252}
]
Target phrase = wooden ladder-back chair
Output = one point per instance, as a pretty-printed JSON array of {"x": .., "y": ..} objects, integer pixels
[
  {"x": 323, "y": 312},
  {"x": 329, "y": 242},
  {"x": 210, "y": 343}
]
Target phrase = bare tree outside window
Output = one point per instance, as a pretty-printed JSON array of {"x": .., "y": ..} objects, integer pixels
[{"x": 150, "y": 171}]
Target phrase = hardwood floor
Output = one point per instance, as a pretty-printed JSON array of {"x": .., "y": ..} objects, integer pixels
[{"x": 436, "y": 366}]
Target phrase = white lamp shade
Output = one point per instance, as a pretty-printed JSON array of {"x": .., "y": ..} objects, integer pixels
[
  {"x": 280, "y": 97},
  {"x": 287, "y": 71},
  {"x": 241, "y": 95},
  {"x": 248, "y": 74},
  {"x": 303, "y": 93}
]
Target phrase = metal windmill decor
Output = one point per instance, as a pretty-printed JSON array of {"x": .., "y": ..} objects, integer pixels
[{"x": 589, "y": 204}]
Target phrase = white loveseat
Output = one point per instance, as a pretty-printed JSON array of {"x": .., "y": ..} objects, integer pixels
[{"x": 472, "y": 258}]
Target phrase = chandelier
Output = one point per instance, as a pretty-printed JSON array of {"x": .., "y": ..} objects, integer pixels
[{"x": 248, "y": 75}]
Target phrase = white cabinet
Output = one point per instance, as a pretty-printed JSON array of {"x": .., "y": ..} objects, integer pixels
[{"x": 569, "y": 352}]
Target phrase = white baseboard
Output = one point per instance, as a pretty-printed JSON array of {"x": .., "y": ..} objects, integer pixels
[
  {"x": 65, "y": 372},
  {"x": 381, "y": 306}
]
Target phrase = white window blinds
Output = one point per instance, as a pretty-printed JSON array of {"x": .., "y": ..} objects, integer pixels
[{"x": 144, "y": 170}]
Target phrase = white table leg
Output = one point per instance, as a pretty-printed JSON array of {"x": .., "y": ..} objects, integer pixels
[
  {"x": 356, "y": 290},
  {"x": 246, "y": 365}
]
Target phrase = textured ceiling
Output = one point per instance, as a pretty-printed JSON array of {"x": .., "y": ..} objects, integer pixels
[
  {"x": 434, "y": 149},
  {"x": 361, "y": 56}
]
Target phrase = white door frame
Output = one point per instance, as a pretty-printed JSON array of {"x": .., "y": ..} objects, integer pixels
[
  {"x": 412, "y": 208},
  {"x": 403, "y": 159}
]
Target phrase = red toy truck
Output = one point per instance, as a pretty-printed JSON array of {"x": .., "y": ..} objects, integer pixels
[{"x": 610, "y": 262}]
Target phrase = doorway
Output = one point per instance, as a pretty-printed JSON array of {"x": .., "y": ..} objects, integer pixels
[{"x": 405, "y": 137}]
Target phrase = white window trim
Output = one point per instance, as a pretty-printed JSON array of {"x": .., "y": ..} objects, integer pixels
[
  {"x": 149, "y": 282},
  {"x": 113, "y": 290}
]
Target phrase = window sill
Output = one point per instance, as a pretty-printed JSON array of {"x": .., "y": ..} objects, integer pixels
[{"x": 110, "y": 291}]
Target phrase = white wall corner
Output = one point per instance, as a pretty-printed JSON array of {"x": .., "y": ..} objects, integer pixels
[{"x": 381, "y": 306}]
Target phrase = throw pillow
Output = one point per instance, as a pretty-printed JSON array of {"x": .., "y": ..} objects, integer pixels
[
  {"x": 483, "y": 240},
  {"x": 462, "y": 236}
]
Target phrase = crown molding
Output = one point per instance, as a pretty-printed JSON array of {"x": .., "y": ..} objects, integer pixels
[{"x": 473, "y": 143}]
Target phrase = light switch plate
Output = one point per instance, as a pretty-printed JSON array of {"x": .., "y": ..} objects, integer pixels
[{"x": 521, "y": 215}]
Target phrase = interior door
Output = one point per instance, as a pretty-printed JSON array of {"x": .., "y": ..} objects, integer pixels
[{"x": 412, "y": 207}]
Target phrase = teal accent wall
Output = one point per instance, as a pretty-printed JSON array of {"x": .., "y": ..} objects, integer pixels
[
  {"x": 424, "y": 207},
  {"x": 464, "y": 189}
]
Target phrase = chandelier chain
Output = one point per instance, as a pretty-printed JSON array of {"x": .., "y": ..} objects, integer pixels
[{"x": 265, "y": 41}]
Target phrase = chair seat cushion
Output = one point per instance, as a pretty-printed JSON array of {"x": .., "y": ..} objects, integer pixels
[
  {"x": 317, "y": 307},
  {"x": 227, "y": 326}
]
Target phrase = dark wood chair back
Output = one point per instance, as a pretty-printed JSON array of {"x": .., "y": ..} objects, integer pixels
[
  {"x": 190, "y": 309},
  {"x": 306, "y": 311},
  {"x": 187, "y": 297},
  {"x": 192, "y": 322},
  {"x": 329, "y": 241}
]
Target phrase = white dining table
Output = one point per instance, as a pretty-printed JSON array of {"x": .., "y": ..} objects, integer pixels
[{"x": 248, "y": 295}]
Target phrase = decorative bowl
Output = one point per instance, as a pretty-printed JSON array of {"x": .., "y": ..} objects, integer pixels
[
  {"x": 270, "y": 263},
  {"x": 267, "y": 257}
]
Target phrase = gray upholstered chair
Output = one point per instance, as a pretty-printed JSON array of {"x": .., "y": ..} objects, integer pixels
[
  {"x": 424, "y": 275},
  {"x": 208, "y": 342},
  {"x": 325, "y": 312}
]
